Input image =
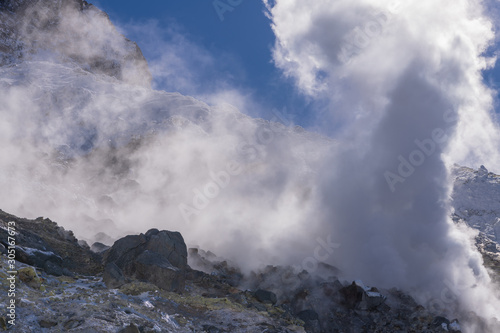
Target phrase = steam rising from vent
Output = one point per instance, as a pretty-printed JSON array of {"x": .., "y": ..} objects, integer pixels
[
  {"x": 402, "y": 80},
  {"x": 406, "y": 82}
]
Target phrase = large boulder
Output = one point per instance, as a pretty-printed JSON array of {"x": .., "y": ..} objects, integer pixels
[
  {"x": 158, "y": 257},
  {"x": 266, "y": 296},
  {"x": 311, "y": 320},
  {"x": 359, "y": 296},
  {"x": 49, "y": 261},
  {"x": 113, "y": 276}
]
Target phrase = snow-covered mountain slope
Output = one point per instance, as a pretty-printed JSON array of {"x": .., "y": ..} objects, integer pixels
[
  {"x": 476, "y": 200},
  {"x": 69, "y": 30}
]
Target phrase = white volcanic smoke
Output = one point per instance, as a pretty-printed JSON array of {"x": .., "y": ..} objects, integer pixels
[
  {"x": 101, "y": 155},
  {"x": 97, "y": 154},
  {"x": 405, "y": 80}
]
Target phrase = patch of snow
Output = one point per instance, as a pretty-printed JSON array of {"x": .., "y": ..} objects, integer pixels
[
  {"x": 31, "y": 251},
  {"x": 360, "y": 283},
  {"x": 373, "y": 294},
  {"x": 169, "y": 320},
  {"x": 26, "y": 301},
  {"x": 454, "y": 327},
  {"x": 7, "y": 230}
]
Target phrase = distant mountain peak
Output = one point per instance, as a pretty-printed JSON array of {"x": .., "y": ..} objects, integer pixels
[{"x": 476, "y": 200}]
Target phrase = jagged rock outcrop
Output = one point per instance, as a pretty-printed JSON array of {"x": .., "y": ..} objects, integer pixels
[
  {"x": 158, "y": 257},
  {"x": 476, "y": 200},
  {"x": 208, "y": 262},
  {"x": 358, "y": 296},
  {"x": 83, "y": 303},
  {"x": 266, "y": 296},
  {"x": 325, "y": 304},
  {"x": 44, "y": 244},
  {"x": 73, "y": 31}
]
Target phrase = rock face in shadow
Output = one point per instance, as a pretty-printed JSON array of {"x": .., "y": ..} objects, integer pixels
[
  {"x": 358, "y": 296},
  {"x": 157, "y": 257},
  {"x": 73, "y": 31},
  {"x": 266, "y": 296},
  {"x": 44, "y": 244}
]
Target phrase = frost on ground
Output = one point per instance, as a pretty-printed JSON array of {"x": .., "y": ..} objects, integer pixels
[
  {"x": 84, "y": 304},
  {"x": 221, "y": 299}
]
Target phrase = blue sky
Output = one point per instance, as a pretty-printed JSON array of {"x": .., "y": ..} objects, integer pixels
[
  {"x": 238, "y": 36},
  {"x": 243, "y": 35}
]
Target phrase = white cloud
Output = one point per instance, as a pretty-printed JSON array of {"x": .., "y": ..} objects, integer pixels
[{"x": 180, "y": 63}]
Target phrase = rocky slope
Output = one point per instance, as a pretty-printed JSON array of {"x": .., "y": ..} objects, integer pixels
[
  {"x": 476, "y": 202},
  {"x": 144, "y": 284},
  {"x": 476, "y": 199}
]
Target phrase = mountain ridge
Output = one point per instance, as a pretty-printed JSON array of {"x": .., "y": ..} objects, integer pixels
[{"x": 74, "y": 30}]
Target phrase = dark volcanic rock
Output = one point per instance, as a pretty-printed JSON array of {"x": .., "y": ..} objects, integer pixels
[
  {"x": 153, "y": 267},
  {"x": 158, "y": 257},
  {"x": 438, "y": 321},
  {"x": 99, "y": 247},
  {"x": 42, "y": 243},
  {"x": 49, "y": 261},
  {"x": 265, "y": 296},
  {"x": 311, "y": 320},
  {"x": 211, "y": 329},
  {"x": 130, "y": 329},
  {"x": 353, "y": 295},
  {"x": 123, "y": 250},
  {"x": 168, "y": 244},
  {"x": 73, "y": 323},
  {"x": 357, "y": 296},
  {"x": 308, "y": 315},
  {"x": 113, "y": 276},
  {"x": 208, "y": 262},
  {"x": 47, "y": 323}
]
